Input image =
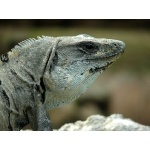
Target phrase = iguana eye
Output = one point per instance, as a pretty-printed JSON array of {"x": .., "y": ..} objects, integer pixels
[{"x": 88, "y": 47}]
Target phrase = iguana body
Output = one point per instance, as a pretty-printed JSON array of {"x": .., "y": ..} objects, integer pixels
[{"x": 48, "y": 72}]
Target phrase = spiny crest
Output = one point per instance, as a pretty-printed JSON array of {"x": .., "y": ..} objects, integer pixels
[{"x": 27, "y": 43}]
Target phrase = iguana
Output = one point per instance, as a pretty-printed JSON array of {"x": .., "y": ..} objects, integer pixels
[{"x": 48, "y": 72}]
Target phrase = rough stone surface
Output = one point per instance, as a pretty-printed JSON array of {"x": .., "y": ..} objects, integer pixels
[{"x": 115, "y": 122}]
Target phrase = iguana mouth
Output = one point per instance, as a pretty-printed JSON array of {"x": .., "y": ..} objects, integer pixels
[
  {"x": 114, "y": 55},
  {"x": 110, "y": 58},
  {"x": 99, "y": 69},
  {"x": 107, "y": 56}
]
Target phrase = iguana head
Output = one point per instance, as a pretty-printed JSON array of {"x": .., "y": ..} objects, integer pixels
[{"x": 77, "y": 62}]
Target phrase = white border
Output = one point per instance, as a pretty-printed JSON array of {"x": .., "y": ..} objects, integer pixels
[
  {"x": 73, "y": 9},
  {"x": 89, "y": 140}
]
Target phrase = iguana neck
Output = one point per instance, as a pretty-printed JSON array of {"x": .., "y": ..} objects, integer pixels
[{"x": 30, "y": 57}]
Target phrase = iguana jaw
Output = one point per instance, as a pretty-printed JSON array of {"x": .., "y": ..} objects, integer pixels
[
  {"x": 105, "y": 59},
  {"x": 100, "y": 69}
]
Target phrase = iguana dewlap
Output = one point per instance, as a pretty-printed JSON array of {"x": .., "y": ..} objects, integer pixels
[{"x": 48, "y": 72}]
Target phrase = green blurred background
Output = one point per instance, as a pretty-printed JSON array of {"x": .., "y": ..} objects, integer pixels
[{"x": 124, "y": 88}]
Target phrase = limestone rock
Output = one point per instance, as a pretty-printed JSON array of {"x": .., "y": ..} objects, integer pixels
[{"x": 115, "y": 122}]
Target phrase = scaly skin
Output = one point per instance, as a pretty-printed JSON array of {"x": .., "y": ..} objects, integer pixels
[{"x": 48, "y": 72}]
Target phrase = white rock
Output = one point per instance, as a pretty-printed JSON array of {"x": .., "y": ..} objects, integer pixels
[{"x": 115, "y": 122}]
